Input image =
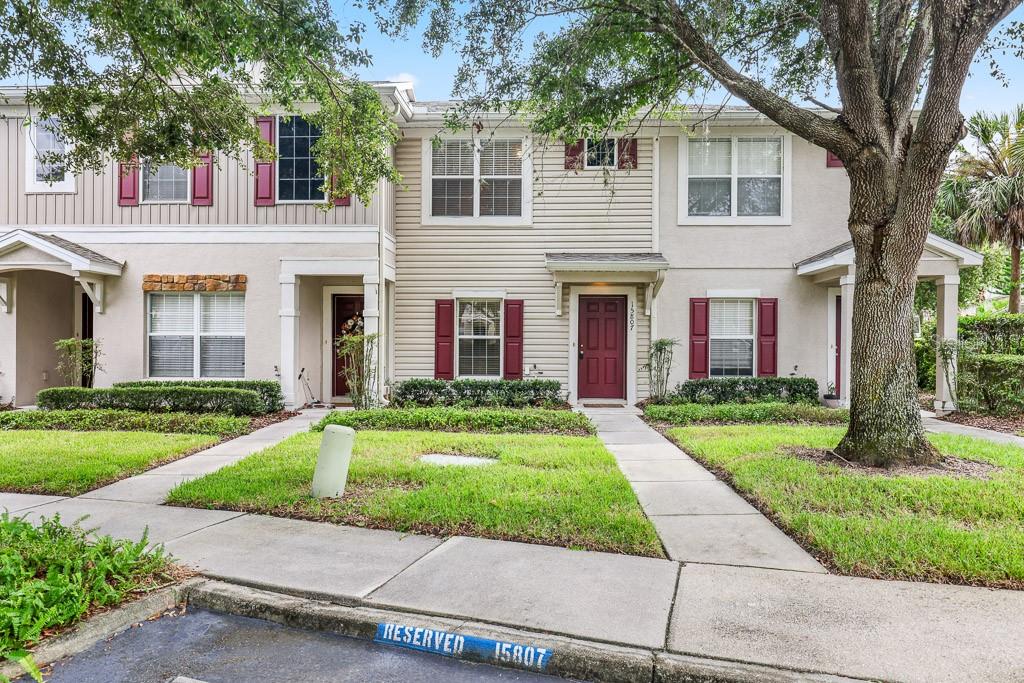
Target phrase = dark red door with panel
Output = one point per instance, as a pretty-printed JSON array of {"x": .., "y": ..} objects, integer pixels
[
  {"x": 347, "y": 308},
  {"x": 602, "y": 347}
]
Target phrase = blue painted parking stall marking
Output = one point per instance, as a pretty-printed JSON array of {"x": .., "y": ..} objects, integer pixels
[{"x": 462, "y": 646}]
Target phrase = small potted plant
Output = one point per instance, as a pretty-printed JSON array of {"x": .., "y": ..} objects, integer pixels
[{"x": 830, "y": 398}]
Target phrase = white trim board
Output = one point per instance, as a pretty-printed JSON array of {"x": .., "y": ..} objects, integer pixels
[
  {"x": 631, "y": 336},
  {"x": 209, "y": 234}
]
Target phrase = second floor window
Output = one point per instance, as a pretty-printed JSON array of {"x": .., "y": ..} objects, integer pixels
[
  {"x": 43, "y": 173},
  {"x": 737, "y": 177},
  {"x": 482, "y": 178},
  {"x": 601, "y": 153},
  {"x": 164, "y": 183},
  {"x": 299, "y": 178}
]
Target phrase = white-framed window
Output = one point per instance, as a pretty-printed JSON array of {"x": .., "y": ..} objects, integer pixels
[
  {"x": 164, "y": 183},
  {"x": 732, "y": 343},
  {"x": 736, "y": 180},
  {"x": 478, "y": 181},
  {"x": 41, "y": 173},
  {"x": 196, "y": 334},
  {"x": 299, "y": 178},
  {"x": 478, "y": 327},
  {"x": 602, "y": 153}
]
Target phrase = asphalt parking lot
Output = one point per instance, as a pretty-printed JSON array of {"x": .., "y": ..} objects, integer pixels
[{"x": 217, "y": 648}]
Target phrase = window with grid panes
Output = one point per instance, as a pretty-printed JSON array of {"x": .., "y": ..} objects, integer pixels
[
  {"x": 477, "y": 178},
  {"x": 478, "y": 330},
  {"x": 739, "y": 176},
  {"x": 164, "y": 183},
  {"x": 299, "y": 178}
]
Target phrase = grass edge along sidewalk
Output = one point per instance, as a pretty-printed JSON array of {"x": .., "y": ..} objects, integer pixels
[
  {"x": 917, "y": 526},
  {"x": 553, "y": 490}
]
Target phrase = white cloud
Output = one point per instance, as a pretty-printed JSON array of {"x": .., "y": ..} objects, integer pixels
[{"x": 404, "y": 77}]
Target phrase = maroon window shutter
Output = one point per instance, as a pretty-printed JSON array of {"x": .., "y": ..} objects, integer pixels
[
  {"x": 767, "y": 337},
  {"x": 574, "y": 155},
  {"x": 699, "y": 346},
  {"x": 128, "y": 184},
  {"x": 202, "y": 181},
  {"x": 264, "y": 194},
  {"x": 832, "y": 161},
  {"x": 444, "y": 339},
  {"x": 627, "y": 153},
  {"x": 513, "y": 339}
]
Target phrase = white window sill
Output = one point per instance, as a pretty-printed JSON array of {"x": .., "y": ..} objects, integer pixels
[
  {"x": 481, "y": 222},
  {"x": 173, "y": 202},
  {"x": 47, "y": 189},
  {"x": 702, "y": 221}
]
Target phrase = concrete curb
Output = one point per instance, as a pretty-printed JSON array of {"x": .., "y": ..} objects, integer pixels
[
  {"x": 87, "y": 633},
  {"x": 571, "y": 658}
]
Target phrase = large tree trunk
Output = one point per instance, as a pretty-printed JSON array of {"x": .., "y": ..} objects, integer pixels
[
  {"x": 885, "y": 416},
  {"x": 1015, "y": 276}
]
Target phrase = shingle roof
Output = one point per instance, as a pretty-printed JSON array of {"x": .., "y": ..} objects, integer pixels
[
  {"x": 74, "y": 248},
  {"x": 571, "y": 257},
  {"x": 838, "y": 249}
]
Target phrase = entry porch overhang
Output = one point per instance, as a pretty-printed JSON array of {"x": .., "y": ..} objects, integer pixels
[
  {"x": 835, "y": 269},
  {"x": 22, "y": 249},
  {"x": 607, "y": 268}
]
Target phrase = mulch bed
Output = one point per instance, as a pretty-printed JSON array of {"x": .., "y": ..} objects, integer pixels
[
  {"x": 270, "y": 419},
  {"x": 1010, "y": 425},
  {"x": 948, "y": 466}
]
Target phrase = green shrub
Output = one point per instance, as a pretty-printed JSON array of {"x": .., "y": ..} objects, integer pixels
[
  {"x": 991, "y": 383},
  {"x": 924, "y": 354},
  {"x": 999, "y": 333},
  {"x": 746, "y": 390},
  {"x": 268, "y": 389},
  {"x": 124, "y": 421},
  {"x": 753, "y": 413},
  {"x": 54, "y": 574},
  {"x": 461, "y": 420},
  {"x": 170, "y": 399},
  {"x": 479, "y": 393}
]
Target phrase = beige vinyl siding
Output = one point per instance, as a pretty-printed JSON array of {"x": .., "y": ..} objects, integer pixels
[
  {"x": 95, "y": 199},
  {"x": 571, "y": 212}
]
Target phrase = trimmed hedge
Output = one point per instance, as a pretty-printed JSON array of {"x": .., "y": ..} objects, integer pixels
[
  {"x": 154, "y": 399},
  {"x": 479, "y": 393},
  {"x": 124, "y": 421},
  {"x": 999, "y": 333},
  {"x": 991, "y": 383},
  {"x": 520, "y": 421},
  {"x": 746, "y": 390},
  {"x": 269, "y": 390},
  {"x": 745, "y": 413}
]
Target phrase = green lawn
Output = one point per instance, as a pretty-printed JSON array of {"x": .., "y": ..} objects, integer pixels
[
  {"x": 71, "y": 463},
  {"x": 931, "y": 528},
  {"x": 555, "y": 490}
]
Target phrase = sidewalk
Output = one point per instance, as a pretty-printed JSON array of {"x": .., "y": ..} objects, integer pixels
[
  {"x": 801, "y": 620},
  {"x": 698, "y": 517}
]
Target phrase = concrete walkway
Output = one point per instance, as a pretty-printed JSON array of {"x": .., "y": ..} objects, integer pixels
[
  {"x": 800, "y": 620},
  {"x": 933, "y": 424},
  {"x": 699, "y": 518}
]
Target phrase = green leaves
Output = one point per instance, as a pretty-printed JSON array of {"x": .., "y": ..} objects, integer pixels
[
  {"x": 51, "y": 575},
  {"x": 172, "y": 79}
]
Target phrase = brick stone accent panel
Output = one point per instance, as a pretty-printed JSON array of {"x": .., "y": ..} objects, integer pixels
[{"x": 194, "y": 283}]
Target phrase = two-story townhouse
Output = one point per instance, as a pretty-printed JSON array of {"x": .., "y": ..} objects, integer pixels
[{"x": 499, "y": 255}]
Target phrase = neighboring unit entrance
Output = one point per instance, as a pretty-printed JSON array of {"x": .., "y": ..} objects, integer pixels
[
  {"x": 602, "y": 347},
  {"x": 345, "y": 308}
]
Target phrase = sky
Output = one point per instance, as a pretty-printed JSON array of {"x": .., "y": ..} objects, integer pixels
[{"x": 432, "y": 78}]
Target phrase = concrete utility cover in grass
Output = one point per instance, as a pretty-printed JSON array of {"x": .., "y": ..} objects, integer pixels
[{"x": 458, "y": 460}]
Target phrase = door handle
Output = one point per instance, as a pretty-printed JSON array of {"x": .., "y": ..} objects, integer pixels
[{"x": 581, "y": 354}]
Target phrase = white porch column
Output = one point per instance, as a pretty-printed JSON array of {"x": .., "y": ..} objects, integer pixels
[
  {"x": 289, "y": 314},
  {"x": 371, "y": 321},
  {"x": 846, "y": 286},
  {"x": 947, "y": 308}
]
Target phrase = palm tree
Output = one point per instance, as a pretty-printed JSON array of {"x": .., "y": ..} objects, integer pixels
[{"x": 984, "y": 191}]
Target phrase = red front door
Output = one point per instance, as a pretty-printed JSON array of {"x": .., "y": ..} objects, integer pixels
[
  {"x": 602, "y": 347},
  {"x": 345, "y": 308}
]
